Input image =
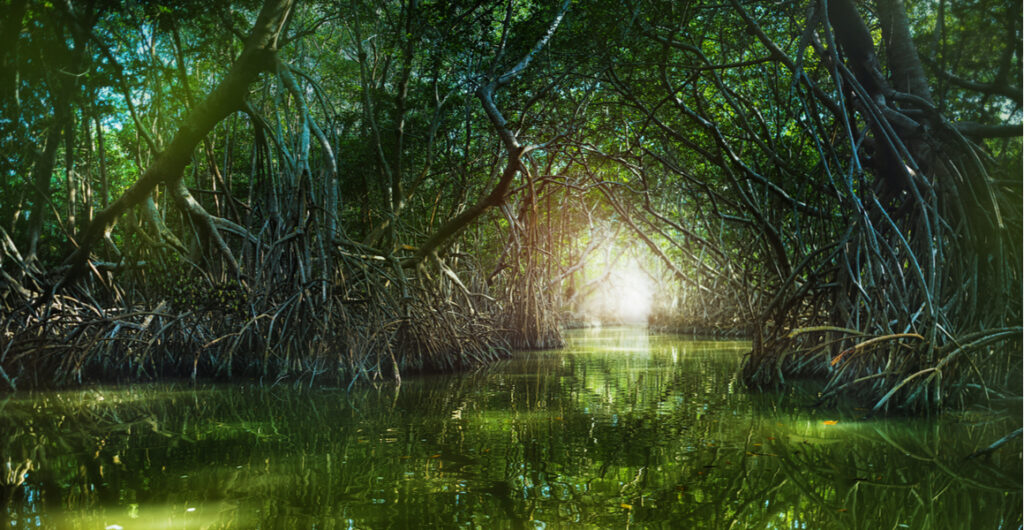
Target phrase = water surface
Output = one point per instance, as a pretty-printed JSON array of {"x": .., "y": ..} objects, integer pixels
[{"x": 620, "y": 429}]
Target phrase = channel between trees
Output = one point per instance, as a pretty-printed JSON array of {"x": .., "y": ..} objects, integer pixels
[{"x": 333, "y": 193}]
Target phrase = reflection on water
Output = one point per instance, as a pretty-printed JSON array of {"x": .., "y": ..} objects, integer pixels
[{"x": 619, "y": 429}]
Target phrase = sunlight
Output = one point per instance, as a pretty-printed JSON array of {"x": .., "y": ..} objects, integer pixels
[{"x": 625, "y": 297}]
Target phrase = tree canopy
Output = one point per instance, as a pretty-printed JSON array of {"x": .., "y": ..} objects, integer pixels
[{"x": 353, "y": 190}]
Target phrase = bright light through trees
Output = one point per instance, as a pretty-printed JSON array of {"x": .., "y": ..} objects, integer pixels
[{"x": 624, "y": 297}]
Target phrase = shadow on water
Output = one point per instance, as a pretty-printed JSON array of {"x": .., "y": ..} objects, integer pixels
[{"x": 620, "y": 428}]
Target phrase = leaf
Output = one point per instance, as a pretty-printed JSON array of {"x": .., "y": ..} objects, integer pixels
[
  {"x": 626, "y": 506},
  {"x": 839, "y": 357}
]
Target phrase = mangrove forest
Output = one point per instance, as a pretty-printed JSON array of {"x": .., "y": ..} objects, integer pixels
[{"x": 512, "y": 263}]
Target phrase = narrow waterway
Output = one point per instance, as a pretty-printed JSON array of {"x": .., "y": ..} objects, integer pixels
[{"x": 618, "y": 429}]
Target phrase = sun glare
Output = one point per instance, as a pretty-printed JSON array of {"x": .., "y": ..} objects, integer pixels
[{"x": 625, "y": 297}]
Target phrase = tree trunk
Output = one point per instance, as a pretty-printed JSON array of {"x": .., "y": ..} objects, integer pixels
[
  {"x": 104, "y": 180},
  {"x": 10, "y": 28},
  {"x": 69, "y": 171},
  {"x": 227, "y": 97},
  {"x": 905, "y": 68},
  {"x": 42, "y": 172}
]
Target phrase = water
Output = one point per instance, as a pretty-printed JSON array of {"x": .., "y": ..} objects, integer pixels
[{"x": 618, "y": 430}]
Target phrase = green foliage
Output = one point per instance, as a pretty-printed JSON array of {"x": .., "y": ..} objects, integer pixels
[{"x": 719, "y": 145}]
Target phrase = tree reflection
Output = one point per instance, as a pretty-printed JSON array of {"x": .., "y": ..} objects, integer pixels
[{"x": 617, "y": 430}]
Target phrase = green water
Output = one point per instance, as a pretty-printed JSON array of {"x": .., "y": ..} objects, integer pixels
[{"x": 620, "y": 429}]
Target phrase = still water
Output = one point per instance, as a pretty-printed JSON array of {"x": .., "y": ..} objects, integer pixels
[{"x": 620, "y": 429}]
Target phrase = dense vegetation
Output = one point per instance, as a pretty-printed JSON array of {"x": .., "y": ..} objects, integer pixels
[{"x": 346, "y": 190}]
